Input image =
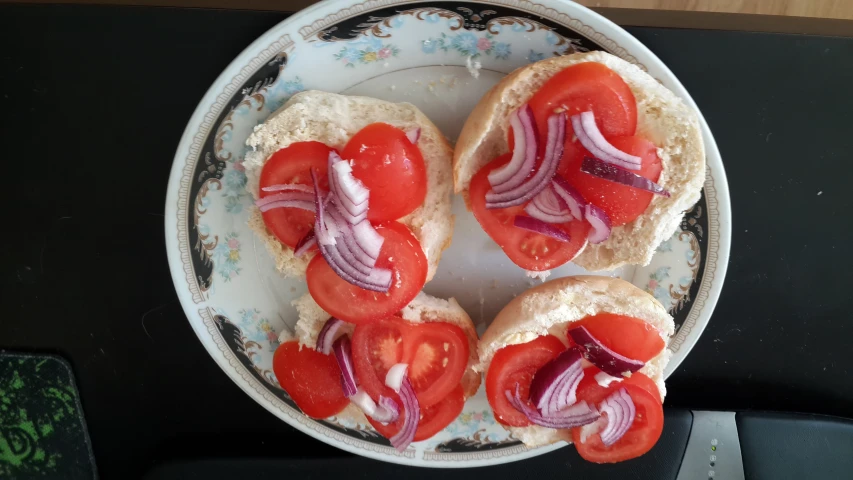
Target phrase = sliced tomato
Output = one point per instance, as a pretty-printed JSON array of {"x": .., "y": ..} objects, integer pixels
[
  {"x": 645, "y": 430},
  {"x": 622, "y": 203},
  {"x": 433, "y": 418},
  {"x": 293, "y": 164},
  {"x": 585, "y": 87},
  {"x": 401, "y": 252},
  {"x": 390, "y": 166},
  {"x": 312, "y": 380},
  {"x": 528, "y": 250},
  {"x": 628, "y": 336},
  {"x": 515, "y": 365},
  {"x": 436, "y": 352}
]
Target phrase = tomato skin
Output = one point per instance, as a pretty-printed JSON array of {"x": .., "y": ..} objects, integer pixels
[
  {"x": 356, "y": 305},
  {"x": 424, "y": 347},
  {"x": 528, "y": 250},
  {"x": 628, "y": 336},
  {"x": 584, "y": 87},
  {"x": 516, "y": 364},
  {"x": 390, "y": 166},
  {"x": 312, "y": 380},
  {"x": 621, "y": 203},
  {"x": 644, "y": 432},
  {"x": 433, "y": 418},
  {"x": 293, "y": 164}
]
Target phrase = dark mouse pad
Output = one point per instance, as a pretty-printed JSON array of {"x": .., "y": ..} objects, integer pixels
[{"x": 42, "y": 429}]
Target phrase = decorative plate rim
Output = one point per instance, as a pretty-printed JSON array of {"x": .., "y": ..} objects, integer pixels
[{"x": 221, "y": 91}]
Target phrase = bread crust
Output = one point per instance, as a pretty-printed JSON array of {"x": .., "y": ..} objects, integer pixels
[
  {"x": 333, "y": 119},
  {"x": 551, "y": 307},
  {"x": 663, "y": 118}
]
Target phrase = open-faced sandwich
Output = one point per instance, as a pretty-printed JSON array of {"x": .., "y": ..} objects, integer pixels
[
  {"x": 580, "y": 359},
  {"x": 409, "y": 374},
  {"x": 354, "y": 193},
  {"x": 583, "y": 157}
]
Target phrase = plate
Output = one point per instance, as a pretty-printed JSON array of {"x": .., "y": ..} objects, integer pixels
[{"x": 427, "y": 54}]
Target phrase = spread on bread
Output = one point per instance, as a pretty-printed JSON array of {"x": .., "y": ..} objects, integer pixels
[
  {"x": 346, "y": 206},
  {"x": 576, "y": 169}
]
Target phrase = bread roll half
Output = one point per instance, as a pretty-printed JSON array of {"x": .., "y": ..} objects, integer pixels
[
  {"x": 551, "y": 307},
  {"x": 333, "y": 119},
  {"x": 663, "y": 118}
]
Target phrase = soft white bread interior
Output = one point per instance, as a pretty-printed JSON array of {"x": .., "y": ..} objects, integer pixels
[
  {"x": 662, "y": 117},
  {"x": 550, "y": 307},
  {"x": 333, "y": 119},
  {"x": 423, "y": 309}
]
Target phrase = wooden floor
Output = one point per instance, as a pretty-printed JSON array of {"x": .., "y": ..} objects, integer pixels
[{"x": 837, "y": 9}]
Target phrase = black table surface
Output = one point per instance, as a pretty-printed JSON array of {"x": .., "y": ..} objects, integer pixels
[{"x": 94, "y": 102}]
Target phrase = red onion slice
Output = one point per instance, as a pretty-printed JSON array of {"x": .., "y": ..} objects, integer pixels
[
  {"x": 620, "y": 411},
  {"x": 574, "y": 200},
  {"x": 363, "y": 262},
  {"x": 307, "y": 242},
  {"x": 593, "y": 140},
  {"x": 286, "y": 199},
  {"x": 368, "y": 238},
  {"x": 576, "y": 415},
  {"x": 523, "y": 159},
  {"x": 600, "y": 222},
  {"x": 385, "y": 412},
  {"x": 343, "y": 354},
  {"x": 289, "y": 186},
  {"x": 411, "y": 416},
  {"x": 538, "y": 226},
  {"x": 555, "y": 383},
  {"x": 394, "y": 377},
  {"x": 602, "y": 357},
  {"x": 339, "y": 257},
  {"x": 542, "y": 178},
  {"x": 616, "y": 174},
  {"x": 414, "y": 135},
  {"x": 550, "y": 202},
  {"x": 536, "y": 212},
  {"x": 328, "y": 334}
]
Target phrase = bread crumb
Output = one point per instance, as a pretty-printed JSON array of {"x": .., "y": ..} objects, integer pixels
[
  {"x": 542, "y": 276},
  {"x": 386, "y": 64},
  {"x": 473, "y": 66},
  {"x": 393, "y": 87},
  {"x": 820, "y": 193}
]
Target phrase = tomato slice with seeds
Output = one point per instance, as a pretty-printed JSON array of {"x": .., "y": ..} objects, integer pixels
[
  {"x": 516, "y": 364},
  {"x": 293, "y": 164},
  {"x": 436, "y": 352},
  {"x": 401, "y": 252},
  {"x": 645, "y": 430},
  {"x": 628, "y": 336},
  {"x": 528, "y": 250},
  {"x": 621, "y": 203},
  {"x": 312, "y": 380},
  {"x": 390, "y": 166},
  {"x": 433, "y": 418}
]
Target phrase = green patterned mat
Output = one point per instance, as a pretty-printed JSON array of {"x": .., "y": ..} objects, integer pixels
[{"x": 42, "y": 430}]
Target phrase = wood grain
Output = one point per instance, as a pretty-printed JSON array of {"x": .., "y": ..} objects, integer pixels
[{"x": 838, "y": 9}]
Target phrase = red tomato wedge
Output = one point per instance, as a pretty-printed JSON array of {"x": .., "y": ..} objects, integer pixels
[
  {"x": 401, "y": 252},
  {"x": 625, "y": 335},
  {"x": 433, "y": 418},
  {"x": 528, "y": 250},
  {"x": 293, "y": 164},
  {"x": 390, "y": 166},
  {"x": 621, "y": 203},
  {"x": 312, "y": 380},
  {"x": 436, "y": 352},
  {"x": 585, "y": 87},
  {"x": 516, "y": 364},
  {"x": 644, "y": 432}
]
